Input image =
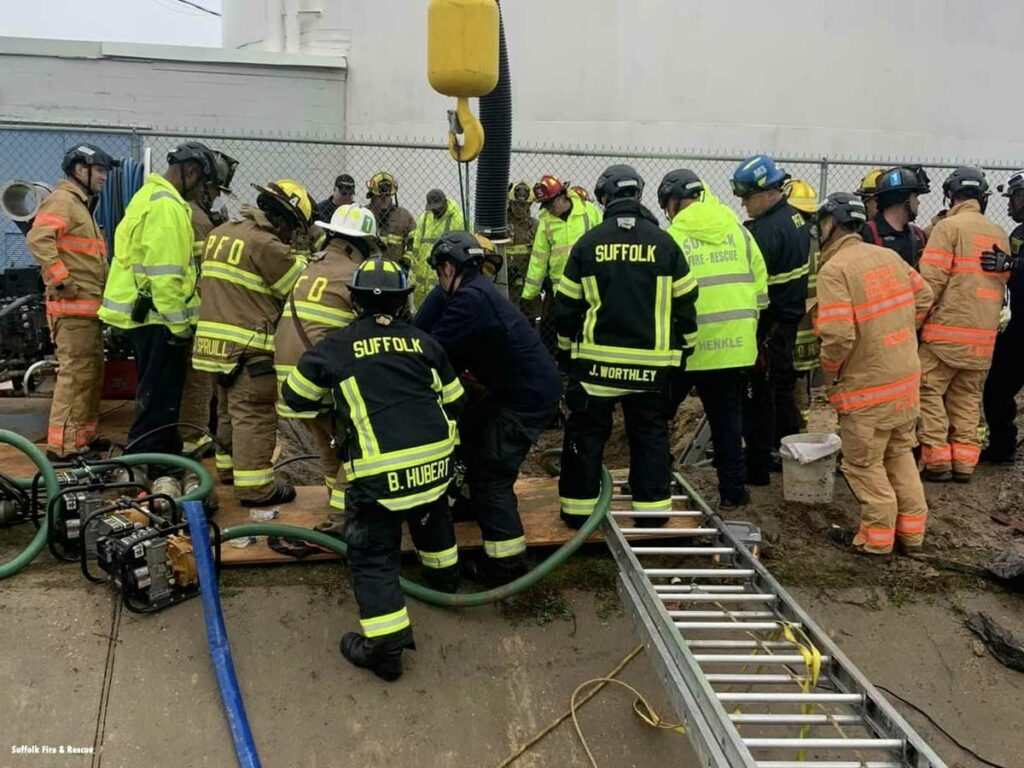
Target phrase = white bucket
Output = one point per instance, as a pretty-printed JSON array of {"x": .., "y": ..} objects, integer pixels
[{"x": 809, "y": 467}]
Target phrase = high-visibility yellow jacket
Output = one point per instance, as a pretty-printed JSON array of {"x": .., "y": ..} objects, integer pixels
[
  {"x": 732, "y": 281},
  {"x": 153, "y": 256},
  {"x": 69, "y": 247},
  {"x": 428, "y": 229},
  {"x": 247, "y": 274},
  {"x": 555, "y": 237}
]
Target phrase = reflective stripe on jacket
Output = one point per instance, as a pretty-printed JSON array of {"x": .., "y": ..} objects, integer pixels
[
  {"x": 322, "y": 304},
  {"x": 428, "y": 229},
  {"x": 552, "y": 243},
  {"x": 247, "y": 273},
  {"x": 871, "y": 303},
  {"x": 625, "y": 304},
  {"x": 67, "y": 244},
  {"x": 730, "y": 272},
  {"x": 153, "y": 256},
  {"x": 961, "y": 329},
  {"x": 397, "y": 398}
]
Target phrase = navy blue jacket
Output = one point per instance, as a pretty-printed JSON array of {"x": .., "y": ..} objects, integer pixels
[
  {"x": 483, "y": 333},
  {"x": 1017, "y": 276}
]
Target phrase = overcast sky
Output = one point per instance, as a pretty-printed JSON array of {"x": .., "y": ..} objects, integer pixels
[{"x": 169, "y": 22}]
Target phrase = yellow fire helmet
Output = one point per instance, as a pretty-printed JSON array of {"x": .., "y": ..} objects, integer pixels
[
  {"x": 802, "y": 196},
  {"x": 520, "y": 192},
  {"x": 381, "y": 183},
  {"x": 351, "y": 221},
  {"x": 290, "y": 195},
  {"x": 869, "y": 184}
]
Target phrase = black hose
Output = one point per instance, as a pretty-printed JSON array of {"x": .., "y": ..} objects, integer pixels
[{"x": 492, "y": 171}]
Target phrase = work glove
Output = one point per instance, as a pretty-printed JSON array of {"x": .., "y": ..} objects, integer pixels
[
  {"x": 997, "y": 260},
  {"x": 531, "y": 308},
  {"x": 66, "y": 291}
]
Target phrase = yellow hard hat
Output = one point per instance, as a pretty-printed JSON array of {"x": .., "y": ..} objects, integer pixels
[
  {"x": 289, "y": 194},
  {"x": 802, "y": 196},
  {"x": 381, "y": 183},
  {"x": 520, "y": 192},
  {"x": 869, "y": 184}
]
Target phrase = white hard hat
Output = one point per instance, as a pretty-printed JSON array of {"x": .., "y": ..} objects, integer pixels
[{"x": 351, "y": 221}]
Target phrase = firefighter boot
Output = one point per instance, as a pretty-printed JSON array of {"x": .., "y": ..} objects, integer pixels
[
  {"x": 384, "y": 659},
  {"x": 494, "y": 572},
  {"x": 283, "y": 493}
]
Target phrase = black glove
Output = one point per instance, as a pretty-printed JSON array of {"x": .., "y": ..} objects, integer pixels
[{"x": 997, "y": 260}]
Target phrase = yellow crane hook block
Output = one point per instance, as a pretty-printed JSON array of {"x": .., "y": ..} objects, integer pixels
[{"x": 462, "y": 61}]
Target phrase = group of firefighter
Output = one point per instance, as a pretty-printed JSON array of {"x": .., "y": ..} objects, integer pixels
[{"x": 425, "y": 383}]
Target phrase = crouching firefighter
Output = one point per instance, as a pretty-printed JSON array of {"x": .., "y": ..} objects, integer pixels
[
  {"x": 249, "y": 268},
  {"x": 396, "y": 397},
  {"x": 626, "y": 319},
  {"x": 320, "y": 303},
  {"x": 486, "y": 337}
]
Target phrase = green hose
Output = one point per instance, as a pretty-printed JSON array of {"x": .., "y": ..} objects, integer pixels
[
  {"x": 464, "y": 600},
  {"x": 37, "y": 544},
  {"x": 53, "y": 487}
]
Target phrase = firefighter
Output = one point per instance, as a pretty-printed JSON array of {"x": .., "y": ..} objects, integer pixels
[
  {"x": 197, "y": 395},
  {"x": 959, "y": 336},
  {"x": 563, "y": 219},
  {"x": 249, "y": 268},
  {"x": 897, "y": 193},
  {"x": 319, "y": 303},
  {"x": 871, "y": 304},
  {"x": 72, "y": 254},
  {"x": 343, "y": 193},
  {"x": 782, "y": 235},
  {"x": 807, "y": 352},
  {"x": 867, "y": 191},
  {"x": 625, "y": 317},
  {"x": 1006, "y": 378},
  {"x": 522, "y": 231},
  {"x": 515, "y": 395},
  {"x": 397, "y": 397},
  {"x": 395, "y": 224},
  {"x": 733, "y": 288},
  {"x": 151, "y": 292},
  {"x": 441, "y": 215}
]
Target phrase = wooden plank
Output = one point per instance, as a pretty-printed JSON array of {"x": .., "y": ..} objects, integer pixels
[{"x": 538, "y": 509}]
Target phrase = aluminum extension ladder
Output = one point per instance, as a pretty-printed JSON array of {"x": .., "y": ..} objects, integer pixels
[{"x": 755, "y": 682}]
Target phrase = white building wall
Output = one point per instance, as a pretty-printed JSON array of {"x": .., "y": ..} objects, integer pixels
[
  {"x": 917, "y": 78},
  {"x": 192, "y": 90}
]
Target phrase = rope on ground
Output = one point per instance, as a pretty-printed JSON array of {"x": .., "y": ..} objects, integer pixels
[{"x": 641, "y": 707}]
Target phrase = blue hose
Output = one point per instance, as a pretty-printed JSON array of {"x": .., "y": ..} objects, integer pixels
[
  {"x": 217, "y": 638},
  {"x": 122, "y": 184}
]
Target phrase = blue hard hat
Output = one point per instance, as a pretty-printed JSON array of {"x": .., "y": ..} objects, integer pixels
[{"x": 757, "y": 173}]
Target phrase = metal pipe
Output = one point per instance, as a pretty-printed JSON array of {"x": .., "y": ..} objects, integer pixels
[
  {"x": 620, "y": 497},
  {"x": 772, "y": 719},
  {"x": 683, "y": 550},
  {"x": 745, "y": 597},
  {"x": 691, "y": 532},
  {"x": 732, "y": 626},
  {"x": 767, "y": 658},
  {"x": 794, "y": 698},
  {"x": 721, "y": 573},
  {"x": 827, "y": 764},
  {"x": 671, "y": 590},
  {"x": 824, "y": 743},
  {"x": 721, "y": 614},
  {"x": 31, "y": 372},
  {"x": 782, "y": 644},
  {"x": 763, "y": 679},
  {"x": 645, "y": 513}
]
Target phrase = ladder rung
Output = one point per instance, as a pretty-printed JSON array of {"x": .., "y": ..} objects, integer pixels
[
  {"x": 824, "y": 743},
  {"x": 785, "y": 644},
  {"x": 646, "y": 513},
  {"x": 760, "y": 659},
  {"x": 745, "y": 597},
  {"x": 718, "y": 573},
  {"x": 760, "y": 679},
  {"x": 668, "y": 531},
  {"x": 766, "y": 719},
  {"x": 698, "y": 588},
  {"x": 683, "y": 550},
  {"x": 735, "y": 626},
  {"x": 827, "y": 764},
  {"x": 627, "y": 497},
  {"x": 721, "y": 614},
  {"x": 794, "y": 698}
]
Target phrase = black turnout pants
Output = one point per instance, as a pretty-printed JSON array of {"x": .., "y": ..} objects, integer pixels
[
  {"x": 1005, "y": 380},
  {"x": 162, "y": 360},
  {"x": 769, "y": 407}
]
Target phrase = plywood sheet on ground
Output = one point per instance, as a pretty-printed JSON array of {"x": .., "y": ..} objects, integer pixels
[{"x": 538, "y": 508}]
